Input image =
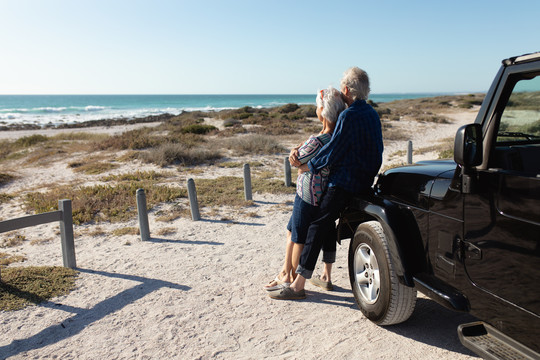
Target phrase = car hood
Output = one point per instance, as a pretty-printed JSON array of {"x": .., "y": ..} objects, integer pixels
[{"x": 411, "y": 185}]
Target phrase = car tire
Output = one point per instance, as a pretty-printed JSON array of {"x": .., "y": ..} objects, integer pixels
[{"x": 375, "y": 285}]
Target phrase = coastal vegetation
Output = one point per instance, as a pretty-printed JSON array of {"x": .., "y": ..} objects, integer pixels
[
  {"x": 159, "y": 157},
  {"x": 102, "y": 202},
  {"x": 427, "y": 109},
  {"x": 22, "y": 286},
  {"x": 188, "y": 142}
]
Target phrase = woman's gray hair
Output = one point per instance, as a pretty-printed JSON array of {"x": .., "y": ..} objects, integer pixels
[
  {"x": 331, "y": 102},
  {"x": 357, "y": 81}
]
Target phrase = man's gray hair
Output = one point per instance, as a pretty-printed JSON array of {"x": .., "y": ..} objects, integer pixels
[
  {"x": 331, "y": 102},
  {"x": 357, "y": 81}
]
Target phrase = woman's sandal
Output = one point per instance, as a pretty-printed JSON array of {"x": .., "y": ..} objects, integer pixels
[{"x": 279, "y": 284}]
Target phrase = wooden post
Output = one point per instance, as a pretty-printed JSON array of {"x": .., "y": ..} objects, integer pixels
[
  {"x": 66, "y": 234},
  {"x": 194, "y": 205},
  {"x": 247, "y": 183},
  {"x": 409, "y": 152},
  {"x": 143, "y": 215},
  {"x": 287, "y": 167}
]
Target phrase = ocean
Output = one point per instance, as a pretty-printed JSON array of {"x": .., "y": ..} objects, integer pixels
[{"x": 67, "y": 109}]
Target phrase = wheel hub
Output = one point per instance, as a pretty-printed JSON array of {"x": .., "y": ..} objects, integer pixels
[{"x": 366, "y": 270}]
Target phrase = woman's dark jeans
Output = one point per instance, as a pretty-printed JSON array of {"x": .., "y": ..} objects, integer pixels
[{"x": 322, "y": 231}]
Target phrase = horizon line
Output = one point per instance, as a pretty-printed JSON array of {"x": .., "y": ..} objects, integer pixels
[{"x": 240, "y": 94}]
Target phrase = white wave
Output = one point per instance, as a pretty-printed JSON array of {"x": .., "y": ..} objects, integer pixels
[
  {"x": 9, "y": 116},
  {"x": 51, "y": 109},
  {"x": 94, "y": 108},
  {"x": 209, "y": 108},
  {"x": 14, "y": 110}
]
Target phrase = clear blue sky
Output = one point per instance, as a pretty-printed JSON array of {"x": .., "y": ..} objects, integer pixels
[{"x": 257, "y": 47}]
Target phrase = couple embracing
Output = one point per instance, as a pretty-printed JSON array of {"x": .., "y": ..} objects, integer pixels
[{"x": 334, "y": 166}]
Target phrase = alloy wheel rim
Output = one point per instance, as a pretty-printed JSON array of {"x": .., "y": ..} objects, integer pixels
[{"x": 366, "y": 273}]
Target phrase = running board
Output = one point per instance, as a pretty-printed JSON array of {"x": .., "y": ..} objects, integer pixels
[
  {"x": 441, "y": 293},
  {"x": 492, "y": 344}
]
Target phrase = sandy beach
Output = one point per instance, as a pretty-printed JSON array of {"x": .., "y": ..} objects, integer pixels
[{"x": 194, "y": 291}]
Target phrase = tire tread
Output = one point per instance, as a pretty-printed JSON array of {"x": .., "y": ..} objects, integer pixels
[{"x": 402, "y": 297}]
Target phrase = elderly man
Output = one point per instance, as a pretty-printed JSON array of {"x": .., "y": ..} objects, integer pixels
[{"x": 354, "y": 156}]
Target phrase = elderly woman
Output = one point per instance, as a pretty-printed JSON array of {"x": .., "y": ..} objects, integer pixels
[{"x": 309, "y": 189}]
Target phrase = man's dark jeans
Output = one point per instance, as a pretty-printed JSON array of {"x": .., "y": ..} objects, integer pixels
[{"x": 322, "y": 231}]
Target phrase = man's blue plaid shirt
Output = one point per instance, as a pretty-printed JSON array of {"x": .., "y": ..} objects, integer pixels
[{"x": 354, "y": 154}]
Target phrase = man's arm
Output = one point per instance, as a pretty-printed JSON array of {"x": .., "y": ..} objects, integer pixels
[{"x": 333, "y": 150}]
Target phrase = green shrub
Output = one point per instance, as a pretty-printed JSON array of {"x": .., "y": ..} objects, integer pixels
[
  {"x": 372, "y": 103},
  {"x": 231, "y": 122},
  {"x": 309, "y": 111},
  {"x": 198, "y": 129},
  {"x": 5, "y": 178},
  {"x": 241, "y": 116},
  {"x": 288, "y": 108}
]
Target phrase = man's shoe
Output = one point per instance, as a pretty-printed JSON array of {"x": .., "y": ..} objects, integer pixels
[
  {"x": 287, "y": 294},
  {"x": 325, "y": 285}
]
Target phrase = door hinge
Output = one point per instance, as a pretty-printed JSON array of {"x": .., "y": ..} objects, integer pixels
[{"x": 467, "y": 250}]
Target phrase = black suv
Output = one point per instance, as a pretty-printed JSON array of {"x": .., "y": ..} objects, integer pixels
[{"x": 466, "y": 232}]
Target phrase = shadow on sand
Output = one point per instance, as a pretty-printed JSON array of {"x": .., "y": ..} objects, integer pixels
[
  {"x": 84, "y": 317},
  {"x": 186, "y": 242},
  {"x": 430, "y": 323}
]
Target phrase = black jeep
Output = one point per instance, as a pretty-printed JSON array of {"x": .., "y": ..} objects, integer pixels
[{"x": 466, "y": 232}]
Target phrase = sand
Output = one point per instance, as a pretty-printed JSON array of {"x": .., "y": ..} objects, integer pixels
[{"x": 195, "y": 291}]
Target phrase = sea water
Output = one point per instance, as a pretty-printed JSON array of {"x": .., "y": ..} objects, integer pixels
[{"x": 68, "y": 109}]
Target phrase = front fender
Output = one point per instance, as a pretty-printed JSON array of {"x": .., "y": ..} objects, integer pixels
[{"x": 400, "y": 227}]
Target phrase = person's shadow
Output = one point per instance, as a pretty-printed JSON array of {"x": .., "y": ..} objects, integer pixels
[{"x": 84, "y": 317}]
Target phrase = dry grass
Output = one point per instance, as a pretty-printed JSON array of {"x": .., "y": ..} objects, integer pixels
[
  {"x": 137, "y": 176},
  {"x": 126, "y": 231},
  {"x": 427, "y": 109},
  {"x": 254, "y": 144},
  {"x": 395, "y": 134},
  {"x": 229, "y": 190},
  {"x": 12, "y": 239},
  {"x": 4, "y": 180},
  {"x": 92, "y": 168},
  {"x": 5, "y": 198},
  {"x": 179, "y": 154},
  {"x": 166, "y": 231},
  {"x": 80, "y": 136},
  {"x": 236, "y": 164},
  {"x": 134, "y": 140},
  {"x": 177, "y": 211},
  {"x": 22, "y": 286},
  {"x": 6, "y": 259},
  {"x": 102, "y": 203},
  {"x": 445, "y": 149}
]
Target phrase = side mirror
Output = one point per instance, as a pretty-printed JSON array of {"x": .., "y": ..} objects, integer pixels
[{"x": 468, "y": 145}]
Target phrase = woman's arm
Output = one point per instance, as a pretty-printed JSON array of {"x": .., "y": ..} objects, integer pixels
[{"x": 309, "y": 149}]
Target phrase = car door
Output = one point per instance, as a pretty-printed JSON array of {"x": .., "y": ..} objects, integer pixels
[{"x": 502, "y": 216}]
